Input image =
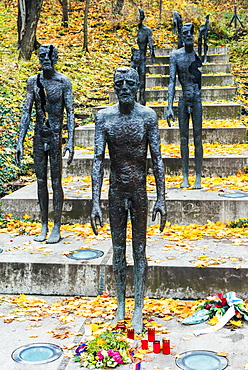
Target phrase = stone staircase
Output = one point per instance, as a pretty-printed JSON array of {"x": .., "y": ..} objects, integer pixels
[
  {"x": 184, "y": 206},
  {"x": 174, "y": 276}
]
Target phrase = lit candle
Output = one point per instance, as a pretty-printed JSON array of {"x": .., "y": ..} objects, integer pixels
[
  {"x": 144, "y": 343},
  {"x": 166, "y": 346},
  {"x": 156, "y": 346},
  {"x": 88, "y": 327},
  {"x": 130, "y": 333},
  {"x": 151, "y": 334}
]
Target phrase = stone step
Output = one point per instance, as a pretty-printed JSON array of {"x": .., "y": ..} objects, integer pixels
[
  {"x": 212, "y": 165},
  {"x": 184, "y": 207},
  {"x": 208, "y": 94},
  {"x": 212, "y": 50},
  {"x": 214, "y": 58},
  {"x": 170, "y": 272},
  {"x": 84, "y": 135},
  {"x": 206, "y": 68},
  {"x": 207, "y": 80},
  {"x": 218, "y": 110}
]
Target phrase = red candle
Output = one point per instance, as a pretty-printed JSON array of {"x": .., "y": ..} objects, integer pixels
[
  {"x": 156, "y": 346},
  {"x": 151, "y": 334},
  {"x": 166, "y": 346},
  {"x": 144, "y": 343},
  {"x": 130, "y": 333}
]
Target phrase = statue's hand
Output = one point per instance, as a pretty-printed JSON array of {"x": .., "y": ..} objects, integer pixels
[
  {"x": 19, "y": 153},
  {"x": 170, "y": 115},
  {"x": 160, "y": 207},
  {"x": 71, "y": 153},
  {"x": 96, "y": 215}
]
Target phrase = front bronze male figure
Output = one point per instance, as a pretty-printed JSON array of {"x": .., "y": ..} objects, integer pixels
[
  {"x": 185, "y": 62},
  {"x": 52, "y": 93},
  {"x": 128, "y": 128}
]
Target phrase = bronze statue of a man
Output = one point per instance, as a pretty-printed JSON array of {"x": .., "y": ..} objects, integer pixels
[
  {"x": 52, "y": 93},
  {"x": 203, "y": 33},
  {"x": 186, "y": 63},
  {"x": 128, "y": 128},
  {"x": 144, "y": 39}
]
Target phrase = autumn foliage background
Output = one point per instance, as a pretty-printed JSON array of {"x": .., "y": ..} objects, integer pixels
[{"x": 110, "y": 38}]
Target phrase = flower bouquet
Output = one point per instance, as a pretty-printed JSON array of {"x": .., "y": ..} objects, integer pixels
[
  {"x": 107, "y": 350},
  {"x": 218, "y": 305}
]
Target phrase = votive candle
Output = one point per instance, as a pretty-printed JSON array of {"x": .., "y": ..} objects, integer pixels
[
  {"x": 151, "y": 334},
  {"x": 156, "y": 346},
  {"x": 130, "y": 333},
  {"x": 166, "y": 346},
  {"x": 144, "y": 343}
]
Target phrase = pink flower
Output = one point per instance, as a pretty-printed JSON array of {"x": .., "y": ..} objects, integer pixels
[
  {"x": 117, "y": 358},
  {"x": 99, "y": 355}
]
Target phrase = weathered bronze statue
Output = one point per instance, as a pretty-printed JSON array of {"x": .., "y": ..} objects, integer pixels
[
  {"x": 177, "y": 27},
  {"x": 51, "y": 92},
  {"x": 203, "y": 33},
  {"x": 144, "y": 39},
  {"x": 128, "y": 128},
  {"x": 186, "y": 63}
]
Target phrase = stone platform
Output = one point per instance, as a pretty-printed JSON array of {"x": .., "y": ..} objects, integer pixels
[{"x": 36, "y": 268}]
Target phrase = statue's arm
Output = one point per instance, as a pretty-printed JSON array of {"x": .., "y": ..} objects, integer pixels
[
  {"x": 151, "y": 47},
  {"x": 158, "y": 170},
  {"x": 25, "y": 119},
  {"x": 68, "y": 99},
  {"x": 171, "y": 88},
  {"x": 97, "y": 172}
]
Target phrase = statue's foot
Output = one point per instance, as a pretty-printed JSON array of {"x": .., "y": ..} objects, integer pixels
[
  {"x": 185, "y": 184},
  {"x": 42, "y": 236},
  {"x": 120, "y": 313},
  {"x": 137, "y": 320},
  {"x": 54, "y": 237},
  {"x": 197, "y": 184}
]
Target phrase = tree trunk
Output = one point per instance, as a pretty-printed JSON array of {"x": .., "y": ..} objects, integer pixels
[
  {"x": 118, "y": 6},
  {"x": 160, "y": 8},
  {"x": 86, "y": 11},
  {"x": 28, "y": 16},
  {"x": 65, "y": 18}
]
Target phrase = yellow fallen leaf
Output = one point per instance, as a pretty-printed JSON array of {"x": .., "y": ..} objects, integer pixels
[
  {"x": 70, "y": 345},
  {"x": 236, "y": 323},
  {"x": 33, "y": 336},
  {"x": 222, "y": 354}
]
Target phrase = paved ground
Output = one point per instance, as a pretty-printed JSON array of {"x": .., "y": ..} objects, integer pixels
[{"x": 18, "y": 333}]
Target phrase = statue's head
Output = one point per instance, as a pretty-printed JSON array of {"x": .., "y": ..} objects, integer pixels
[
  {"x": 187, "y": 34},
  {"x": 48, "y": 56},
  {"x": 126, "y": 84},
  {"x": 142, "y": 15}
]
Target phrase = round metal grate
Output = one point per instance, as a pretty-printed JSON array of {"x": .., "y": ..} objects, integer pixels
[
  {"x": 236, "y": 194},
  {"x": 204, "y": 360},
  {"x": 37, "y": 353},
  {"x": 85, "y": 254}
]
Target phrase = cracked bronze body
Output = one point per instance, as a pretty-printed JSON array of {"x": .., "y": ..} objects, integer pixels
[
  {"x": 52, "y": 93},
  {"x": 128, "y": 128},
  {"x": 185, "y": 63}
]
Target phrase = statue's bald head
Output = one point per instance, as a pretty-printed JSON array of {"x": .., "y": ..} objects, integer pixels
[{"x": 50, "y": 51}]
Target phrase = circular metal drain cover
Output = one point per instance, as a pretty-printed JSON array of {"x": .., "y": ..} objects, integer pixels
[
  {"x": 37, "y": 353},
  {"x": 234, "y": 195},
  {"x": 204, "y": 360},
  {"x": 85, "y": 254}
]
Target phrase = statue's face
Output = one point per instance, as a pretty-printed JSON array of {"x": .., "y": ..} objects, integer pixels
[
  {"x": 47, "y": 57},
  {"x": 126, "y": 86},
  {"x": 187, "y": 34},
  {"x": 142, "y": 15}
]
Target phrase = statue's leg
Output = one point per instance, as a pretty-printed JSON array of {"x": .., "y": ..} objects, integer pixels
[
  {"x": 183, "y": 117},
  {"x": 205, "y": 47},
  {"x": 58, "y": 195},
  {"x": 40, "y": 163},
  {"x": 139, "y": 222},
  {"x": 199, "y": 47},
  {"x": 118, "y": 225},
  {"x": 197, "y": 132},
  {"x": 142, "y": 75}
]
